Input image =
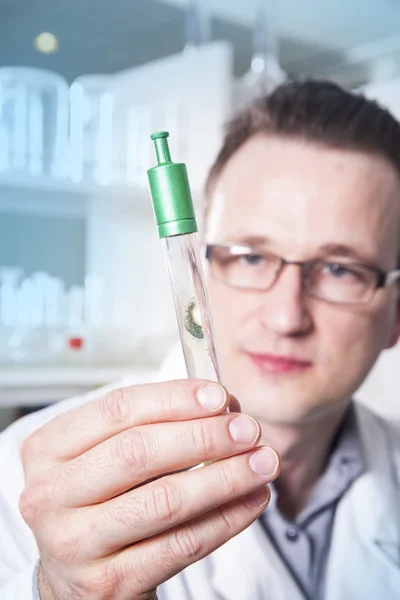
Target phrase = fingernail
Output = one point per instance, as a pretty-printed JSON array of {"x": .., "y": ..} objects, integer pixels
[
  {"x": 244, "y": 429},
  {"x": 264, "y": 461},
  {"x": 211, "y": 396},
  {"x": 258, "y": 498}
]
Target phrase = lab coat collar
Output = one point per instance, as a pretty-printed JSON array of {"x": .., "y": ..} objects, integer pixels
[
  {"x": 248, "y": 567},
  {"x": 365, "y": 549},
  {"x": 381, "y": 480},
  {"x": 364, "y": 559}
]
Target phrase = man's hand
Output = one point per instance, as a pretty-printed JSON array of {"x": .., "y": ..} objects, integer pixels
[{"x": 108, "y": 496}]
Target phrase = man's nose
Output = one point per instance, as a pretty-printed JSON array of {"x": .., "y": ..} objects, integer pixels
[{"x": 284, "y": 307}]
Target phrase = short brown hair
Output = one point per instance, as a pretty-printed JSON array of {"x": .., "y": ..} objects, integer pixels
[{"x": 314, "y": 110}]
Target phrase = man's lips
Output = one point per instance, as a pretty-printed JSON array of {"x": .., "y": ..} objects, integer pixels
[{"x": 274, "y": 363}]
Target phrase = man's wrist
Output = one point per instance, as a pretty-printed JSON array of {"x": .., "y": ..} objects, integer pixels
[{"x": 44, "y": 591}]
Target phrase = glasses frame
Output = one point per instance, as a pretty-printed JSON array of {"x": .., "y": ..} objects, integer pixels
[{"x": 383, "y": 278}]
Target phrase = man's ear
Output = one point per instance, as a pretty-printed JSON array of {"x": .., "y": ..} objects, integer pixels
[{"x": 396, "y": 325}]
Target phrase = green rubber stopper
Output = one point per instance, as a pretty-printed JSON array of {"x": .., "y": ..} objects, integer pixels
[{"x": 170, "y": 192}]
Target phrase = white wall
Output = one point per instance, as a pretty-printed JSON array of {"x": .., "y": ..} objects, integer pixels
[{"x": 381, "y": 391}]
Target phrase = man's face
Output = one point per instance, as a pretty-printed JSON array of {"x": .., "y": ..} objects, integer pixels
[{"x": 286, "y": 356}]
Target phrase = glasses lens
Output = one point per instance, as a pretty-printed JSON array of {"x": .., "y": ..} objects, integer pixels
[
  {"x": 341, "y": 283},
  {"x": 242, "y": 268}
]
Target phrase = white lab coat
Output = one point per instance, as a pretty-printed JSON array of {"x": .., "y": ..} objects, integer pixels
[{"x": 364, "y": 561}]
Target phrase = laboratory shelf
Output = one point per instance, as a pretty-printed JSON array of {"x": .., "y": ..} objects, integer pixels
[
  {"x": 30, "y": 386},
  {"x": 21, "y": 193}
]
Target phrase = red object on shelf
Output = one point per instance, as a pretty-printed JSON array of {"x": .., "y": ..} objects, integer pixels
[{"x": 76, "y": 343}]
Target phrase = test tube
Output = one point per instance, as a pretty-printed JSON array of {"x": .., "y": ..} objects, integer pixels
[{"x": 177, "y": 228}]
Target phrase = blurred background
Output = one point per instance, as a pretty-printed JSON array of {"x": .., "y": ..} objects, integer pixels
[{"x": 84, "y": 294}]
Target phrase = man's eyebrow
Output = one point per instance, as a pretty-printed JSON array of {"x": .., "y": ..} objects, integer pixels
[
  {"x": 346, "y": 251},
  {"x": 250, "y": 240},
  {"x": 326, "y": 250}
]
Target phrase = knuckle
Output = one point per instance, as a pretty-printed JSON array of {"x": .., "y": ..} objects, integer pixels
[
  {"x": 164, "y": 502},
  {"x": 28, "y": 447},
  {"x": 202, "y": 437},
  {"x": 32, "y": 503},
  {"x": 228, "y": 481},
  {"x": 121, "y": 513},
  {"x": 101, "y": 582},
  {"x": 110, "y": 580},
  {"x": 114, "y": 407},
  {"x": 28, "y": 505},
  {"x": 186, "y": 545},
  {"x": 227, "y": 522},
  {"x": 131, "y": 450},
  {"x": 172, "y": 394},
  {"x": 63, "y": 545},
  {"x": 164, "y": 396},
  {"x": 187, "y": 391}
]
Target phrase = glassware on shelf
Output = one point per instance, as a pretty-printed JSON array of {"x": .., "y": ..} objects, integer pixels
[
  {"x": 10, "y": 278},
  {"x": 108, "y": 132},
  {"x": 132, "y": 132},
  {"x": 78, "y": 343},
  {"x": 197, "y": 25},
  {"x": 265, "y": 72},
  {"x": 93, "y": 149},
  {"x": 44, "y": 323},
  {"x": 172, "y": 114},
  {"x": 33, "y": 122},
  {"x": 38, "y": 314}
]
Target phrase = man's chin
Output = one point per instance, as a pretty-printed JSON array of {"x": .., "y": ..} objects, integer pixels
[{"x": 289, "y": 403}]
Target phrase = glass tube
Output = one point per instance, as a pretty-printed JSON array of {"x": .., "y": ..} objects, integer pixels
[
  {"x": 265, "y": 56},
  {"x": 197, "y": 25},
  {"x": 192, "y": 306}
]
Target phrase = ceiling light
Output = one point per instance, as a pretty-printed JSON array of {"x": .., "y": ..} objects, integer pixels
[{"x": 46, "y": 43}]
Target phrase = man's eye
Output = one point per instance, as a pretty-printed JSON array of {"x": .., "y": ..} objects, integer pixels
[
  {"x": 339, "y": 271},
  {"x": 252, "y": 259}
]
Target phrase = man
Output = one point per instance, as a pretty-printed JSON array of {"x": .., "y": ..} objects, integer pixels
[{"x": 302, "y": 240}]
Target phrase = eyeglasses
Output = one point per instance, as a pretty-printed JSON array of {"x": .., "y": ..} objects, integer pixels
[{"x": 243, "y": 267}]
